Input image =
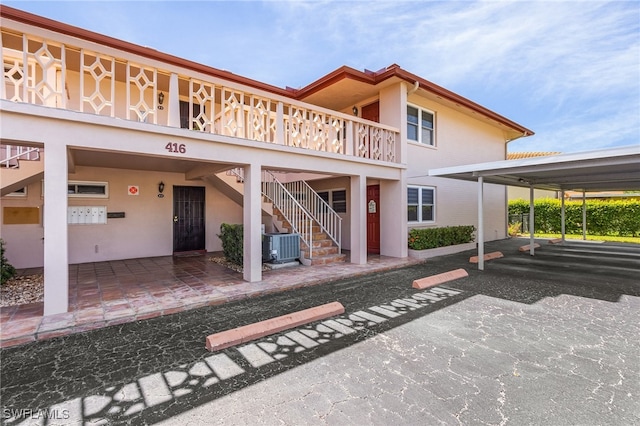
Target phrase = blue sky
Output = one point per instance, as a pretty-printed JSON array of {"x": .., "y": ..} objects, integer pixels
[{"x": 568, "y": 70}]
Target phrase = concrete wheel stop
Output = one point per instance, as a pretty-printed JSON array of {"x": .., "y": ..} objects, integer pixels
[
  {"x": 435, "y": 280},
  {"x": 488, "y": 256},
  {"x": 235, "y": 336}
]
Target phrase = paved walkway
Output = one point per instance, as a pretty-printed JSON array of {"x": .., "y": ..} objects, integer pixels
[
  {"x": 102, "y": 294},
  {"x": 549, "y": 339}
]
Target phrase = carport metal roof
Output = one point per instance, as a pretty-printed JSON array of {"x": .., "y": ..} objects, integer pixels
[{"x": 616, "y": 169}]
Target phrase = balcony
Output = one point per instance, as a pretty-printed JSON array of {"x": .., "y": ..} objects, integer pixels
[{"x": 68, "y": 73}]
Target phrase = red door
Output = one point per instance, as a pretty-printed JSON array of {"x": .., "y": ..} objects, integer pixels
[
  {"x": 373, "y": 219},
  {"x": 371, "y": 112}
]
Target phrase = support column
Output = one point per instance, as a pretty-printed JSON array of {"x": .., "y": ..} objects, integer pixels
[
  {"x": 251, "y": 213},
  {"x": 531, "y": 221},
  {"x": 480, "y": 223},
  {"x": 584, "y": 215},
  {"x": 173, "y": 103},
  {"x": 358, "y": 218},
  {"x": 393, "y": 205},
  {"x": 56, "y": 240},
  {"x": 562, "y": 217}
]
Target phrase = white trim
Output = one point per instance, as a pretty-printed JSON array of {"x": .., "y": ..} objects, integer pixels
[
  {"x": 420, "y": 204},
  {"x": 89, "y": 183},
  {"x": 16, "y": 194},
  {"x": 419, "y": 141}
]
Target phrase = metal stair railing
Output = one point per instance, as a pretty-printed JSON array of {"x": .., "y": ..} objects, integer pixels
[
  {"x": 301, "y": 221},
  {"x": 330, "y": 222},
  {"x": 11, "y": 154}
]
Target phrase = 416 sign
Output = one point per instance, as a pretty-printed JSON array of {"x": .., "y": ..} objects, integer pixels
[{"x": 175, "y": 147}]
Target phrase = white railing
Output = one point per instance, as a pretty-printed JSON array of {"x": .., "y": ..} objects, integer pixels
[
  {"x": 330, "y": 222},
  {"x": 10, "y": 155},
  {"x": 300, "y": 220},
  {"x": 56, "y": 73}
]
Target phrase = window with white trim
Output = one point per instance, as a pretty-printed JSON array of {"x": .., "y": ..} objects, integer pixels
[
  {"x": 421, "y": 125},
  {"x": 421, "y": 204},
  {"x": 22, "y": 192},
  {"x": 336, "y": 198},
  {"x": 88, "y": 189}
]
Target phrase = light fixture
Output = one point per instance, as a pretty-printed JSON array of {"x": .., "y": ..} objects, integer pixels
[
  {"x": 161, "y": 98},
  {"x": 355, "y": 110},
  {"x": 161, "y": 187}
]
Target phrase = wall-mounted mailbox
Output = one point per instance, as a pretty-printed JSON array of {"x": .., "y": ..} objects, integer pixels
[
  {"x": 115, "y": 215},
  {"x": 86, "y": 215}
]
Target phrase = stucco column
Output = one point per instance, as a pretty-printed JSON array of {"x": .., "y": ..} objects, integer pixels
[
  {"x": 56, "y": 248},
  {"x": 251, "y": 213},
  {"x": 358, "y": 218},
  {"x": 393, "y": 217},
  {"x": 173, "y": 103}
]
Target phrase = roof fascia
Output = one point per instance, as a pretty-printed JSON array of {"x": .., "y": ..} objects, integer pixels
[{"x": 395, "y": 71}]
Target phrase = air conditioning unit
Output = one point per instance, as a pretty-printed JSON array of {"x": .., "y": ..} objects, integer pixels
[{"x": 280, "y": 248}]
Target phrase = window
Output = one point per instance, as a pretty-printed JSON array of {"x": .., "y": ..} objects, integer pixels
[
  {"x": 336, "y": 198},
  {"x": 88, "y": 189},
  {"x": 184, "y": 116},
  {"x": 420, "y": 204},
  {"x": 420, "y": 126},
  {"x": 22, "y": 192}
]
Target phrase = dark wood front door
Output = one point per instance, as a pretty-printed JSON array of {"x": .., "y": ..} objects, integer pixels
[
  {"x": 188, "y": 218},
  {"x": 373, "y": 219}
]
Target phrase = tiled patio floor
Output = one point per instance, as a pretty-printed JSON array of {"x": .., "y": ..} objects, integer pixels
[{"x": 108, "y": 293}]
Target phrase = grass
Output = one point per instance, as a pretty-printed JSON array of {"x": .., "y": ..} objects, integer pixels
[{"x": 609, "y": 238}]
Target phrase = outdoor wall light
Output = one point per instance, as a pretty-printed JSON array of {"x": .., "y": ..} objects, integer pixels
[
  {"x": 355, "y": 110},
  {"x": 160, "y": 98},
  {"x": 161, "y": 187}
]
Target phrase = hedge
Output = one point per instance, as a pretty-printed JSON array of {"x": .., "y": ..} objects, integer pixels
[
  {"x": 231, "y": 236},
  {"x": 427, "y": 238},
  {"x": 610, "y": 217}
]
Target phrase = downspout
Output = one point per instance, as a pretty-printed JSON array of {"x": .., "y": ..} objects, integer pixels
[{"x": 413, "y": 90}]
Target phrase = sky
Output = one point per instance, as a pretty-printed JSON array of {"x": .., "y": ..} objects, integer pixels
[{"x": 568, "y": 70}]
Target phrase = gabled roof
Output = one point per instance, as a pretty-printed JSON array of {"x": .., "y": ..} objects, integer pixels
[{"x": 372, "y": 78}]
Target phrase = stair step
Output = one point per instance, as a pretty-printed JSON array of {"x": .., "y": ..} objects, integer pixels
[
  {"x": 328, "y": 259},
  {"x": 320, "y": 251}
]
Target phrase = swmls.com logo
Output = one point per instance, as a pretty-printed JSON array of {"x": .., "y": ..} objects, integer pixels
[{"x": 22, "y": 413}]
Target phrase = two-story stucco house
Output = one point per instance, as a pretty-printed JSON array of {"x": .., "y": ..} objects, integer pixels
[{"x": 115, "y": 151}]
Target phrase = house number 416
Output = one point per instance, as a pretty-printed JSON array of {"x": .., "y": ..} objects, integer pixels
[{"x": 175, "y": 147}]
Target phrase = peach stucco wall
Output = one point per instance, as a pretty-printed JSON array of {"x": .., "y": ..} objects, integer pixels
[
  {"x": 145, "y": 231},
  {"x": 460, "y": 139}
]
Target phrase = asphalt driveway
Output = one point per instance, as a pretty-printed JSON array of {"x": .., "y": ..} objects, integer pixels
[{"x": 550, "y": 339}]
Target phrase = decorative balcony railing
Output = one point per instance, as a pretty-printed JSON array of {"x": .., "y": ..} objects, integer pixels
[{"x": 70, "y": 74}]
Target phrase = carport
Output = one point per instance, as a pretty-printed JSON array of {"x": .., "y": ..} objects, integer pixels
[{"x": 616, "y": 169}]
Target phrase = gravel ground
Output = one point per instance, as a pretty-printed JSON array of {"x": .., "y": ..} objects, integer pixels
[{"x": 22, "y": 290}]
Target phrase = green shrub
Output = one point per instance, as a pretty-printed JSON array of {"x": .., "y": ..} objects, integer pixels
[
  {"x": 427, "y": 238},
  {"x": 232, "y": 247},
  {"x": 604, "y": 217},
  {"x": 7, "y": 270}
]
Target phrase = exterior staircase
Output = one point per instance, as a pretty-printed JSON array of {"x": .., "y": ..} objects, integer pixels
[
  {"x": 19, "y": 166},
  {"x": 296, "y": 208},
  {"x": 323, "y": 249}
]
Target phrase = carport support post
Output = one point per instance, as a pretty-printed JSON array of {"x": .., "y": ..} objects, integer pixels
[
  {"x": 531, "y": 219},
  {"x": 584, "y": 215},
  {"x": 562, "y": 215},
  {"x": 480, "y": 224}
]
